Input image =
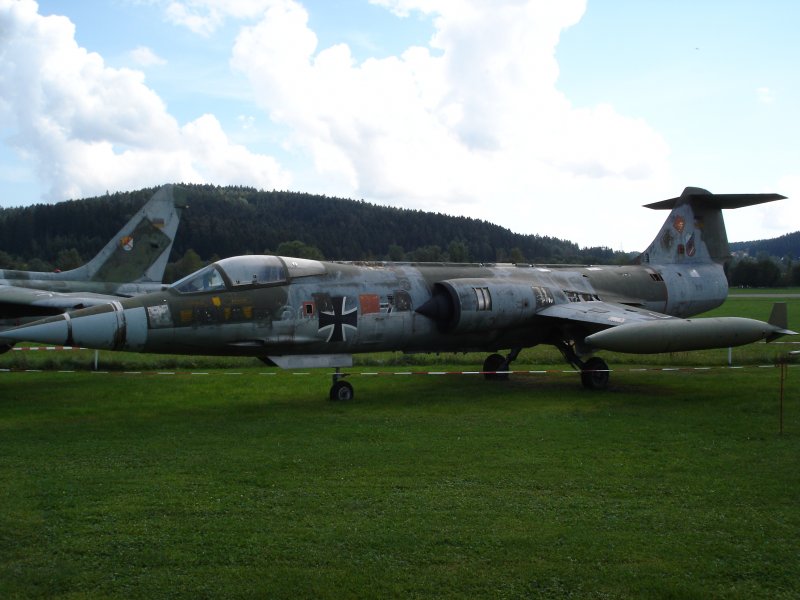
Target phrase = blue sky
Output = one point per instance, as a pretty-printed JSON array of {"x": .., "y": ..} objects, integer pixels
[{"x": 557, "y": 118}]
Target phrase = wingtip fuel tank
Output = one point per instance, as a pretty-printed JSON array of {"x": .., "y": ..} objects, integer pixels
[{"x": 679, "y": 335}]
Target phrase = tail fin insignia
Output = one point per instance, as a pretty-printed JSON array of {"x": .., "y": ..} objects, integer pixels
[{"x": 694, "y": 231}]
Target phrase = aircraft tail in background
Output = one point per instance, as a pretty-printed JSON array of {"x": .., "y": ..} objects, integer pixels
[
  {"x": 131, "y": 263},
  {"x": 138, "y": 253},
  {"x": 694, "y": 231}
]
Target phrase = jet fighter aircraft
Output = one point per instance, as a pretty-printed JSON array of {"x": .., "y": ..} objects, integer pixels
[
  {"x": 131, "y": 263},
  {"x": 299, "y": 313}
]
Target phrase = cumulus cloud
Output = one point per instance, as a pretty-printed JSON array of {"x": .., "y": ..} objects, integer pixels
[
  {"x": 89, "y": 128},
  {"x": 472, "y": 123},
  {"x": 145, "y": 57},
  {"x": 204, "y": 17}
]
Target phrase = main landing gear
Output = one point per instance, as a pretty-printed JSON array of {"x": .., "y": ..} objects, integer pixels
[
  {"x": 594, "y": 372},
  {"x": 496, "y": 366},
  {"x": 341, "y": 389}
]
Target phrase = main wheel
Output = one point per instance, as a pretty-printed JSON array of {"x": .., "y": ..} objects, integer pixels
[
  {"x": 595, "y": 374},
  {"x": 495, "y": 362},
  {"x": 341, "y": 390}
]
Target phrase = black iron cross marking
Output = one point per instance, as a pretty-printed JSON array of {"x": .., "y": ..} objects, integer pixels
[{"x": 336, "y": 321}]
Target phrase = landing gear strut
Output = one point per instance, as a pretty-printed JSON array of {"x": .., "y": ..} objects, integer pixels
[
  {"x": 341, "y": 389},
  {"x": 594, "y": 372}
]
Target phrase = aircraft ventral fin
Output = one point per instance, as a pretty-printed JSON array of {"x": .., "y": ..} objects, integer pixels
[{"x": 312, "y": 361}]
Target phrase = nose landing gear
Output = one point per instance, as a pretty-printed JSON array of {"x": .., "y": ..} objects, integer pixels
[{"x": 341, "y": 390}]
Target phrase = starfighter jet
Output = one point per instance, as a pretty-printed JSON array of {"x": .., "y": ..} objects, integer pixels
[
  {"x": 300, "y": 313},
  {"x": 131, "y": 263}
]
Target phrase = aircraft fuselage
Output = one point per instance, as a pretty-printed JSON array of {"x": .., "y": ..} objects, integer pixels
[{"x": 352, "y": 308}]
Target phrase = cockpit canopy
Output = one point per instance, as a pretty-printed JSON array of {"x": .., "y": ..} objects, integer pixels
[{"x": 239, "y": 271}]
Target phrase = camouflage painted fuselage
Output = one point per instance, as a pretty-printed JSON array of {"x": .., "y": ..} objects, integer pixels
[{"x": 340, "y": 308}]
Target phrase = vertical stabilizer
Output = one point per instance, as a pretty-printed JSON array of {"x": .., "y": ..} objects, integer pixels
[
  {"x": 694, "y": 231},
  {"x": 138, "y": 253}
]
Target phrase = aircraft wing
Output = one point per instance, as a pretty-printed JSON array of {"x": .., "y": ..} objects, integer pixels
[
  {"x": 19, "y": 301},
  {"x": 621, "y": 328},
  {"x": 601, "y": 315}
]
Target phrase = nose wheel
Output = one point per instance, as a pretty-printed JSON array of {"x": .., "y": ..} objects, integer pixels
[{"x": 341, "y": 390}]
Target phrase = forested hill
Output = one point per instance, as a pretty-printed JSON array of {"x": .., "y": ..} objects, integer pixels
[
  {"x": 225, "y": 221},
  {"x": 785, "y": 245}
]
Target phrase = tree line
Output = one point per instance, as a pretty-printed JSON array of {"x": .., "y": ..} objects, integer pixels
[
  {"x": 763, "y": 271},
  {"x": 226, "y": 221}
]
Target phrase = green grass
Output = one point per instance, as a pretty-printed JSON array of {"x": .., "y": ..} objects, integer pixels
[
  {"x": 754, "y": 308},
  {"x": 668, "y": 485},
  {"x": 763, "y": 291}
]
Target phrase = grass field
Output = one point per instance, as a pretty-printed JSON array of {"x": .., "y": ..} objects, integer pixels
[{"x": 671, "y": 484}]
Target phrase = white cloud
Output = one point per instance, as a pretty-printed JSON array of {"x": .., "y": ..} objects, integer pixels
[
  {"x": 204, "y": 17},
  {"x": 765, "y": 95},
  {"x": 89, "y": 128},
  {"x": 770, "y": 220},
  {"x": 474, "y": 124},
  {"x": 221, "y": 161},
  {"x": 145, "y": 57},
  {"x": 783, "y": 216},
  {"x": 246, "y": 122},
  {"x": 399, "y": 8},
  {"x": 202, "y": 24}
]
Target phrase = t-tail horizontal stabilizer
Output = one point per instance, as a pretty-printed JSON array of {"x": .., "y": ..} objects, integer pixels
[
  {"x": 694, "y": 231},
  {"x": 701, "y": 197}
]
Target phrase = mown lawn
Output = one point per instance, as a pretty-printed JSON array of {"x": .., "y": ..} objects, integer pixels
[{"x": 668, "y": 485}]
